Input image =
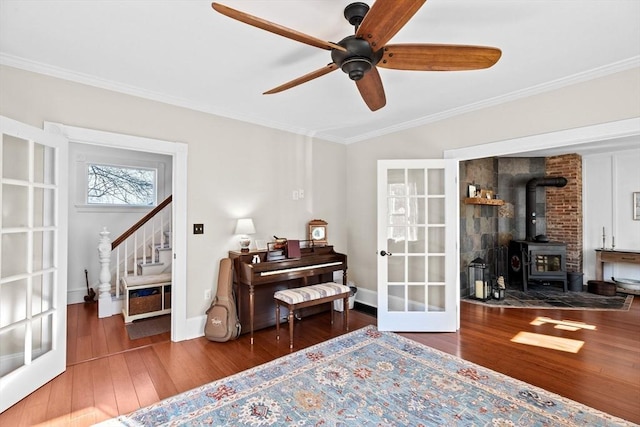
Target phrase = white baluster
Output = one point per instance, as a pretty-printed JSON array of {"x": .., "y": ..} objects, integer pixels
[
  {"x": 135, "y": 251},
  {"x": 162, "y": 241},
  {"x": 144, "y": 243},
  {"x": 104, "y": 288},
  {"x": 117, "y": 272},
  {"x": 153, "y": 239}
]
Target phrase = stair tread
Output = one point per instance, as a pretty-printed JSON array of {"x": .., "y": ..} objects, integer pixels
[{"x": 146, "y": 279}]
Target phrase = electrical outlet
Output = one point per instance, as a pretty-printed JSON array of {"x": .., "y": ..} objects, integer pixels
[
  {"x": 198, "y": 228},
  {"x": 207, "y": 294},
  {"x": 301, "y": 193}
]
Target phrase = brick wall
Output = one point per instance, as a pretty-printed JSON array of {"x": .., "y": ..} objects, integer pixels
[{"x": 564, "y": 207}]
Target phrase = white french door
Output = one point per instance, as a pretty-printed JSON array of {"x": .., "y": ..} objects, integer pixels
[
  {"x": 33, "y": 259},
  {"x": 418, "y": 279}
]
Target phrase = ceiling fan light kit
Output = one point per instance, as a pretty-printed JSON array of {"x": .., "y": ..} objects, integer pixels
[{"x": 360, "y": 55}]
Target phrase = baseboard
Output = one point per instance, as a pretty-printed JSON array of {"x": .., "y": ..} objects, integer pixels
[
  {"x": 367, "y": 309},
  {"x": 75, "y": 296}
]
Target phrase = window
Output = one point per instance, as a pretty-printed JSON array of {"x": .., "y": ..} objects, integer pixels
[{"x": 121, "y": 185}]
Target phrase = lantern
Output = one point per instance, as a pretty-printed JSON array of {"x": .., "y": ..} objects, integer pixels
[
  {"x": 479, "y": 279},
  {"x": 499, "y": 288}
]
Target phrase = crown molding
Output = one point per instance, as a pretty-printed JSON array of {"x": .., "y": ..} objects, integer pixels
[{"x": 604, "y": 71}]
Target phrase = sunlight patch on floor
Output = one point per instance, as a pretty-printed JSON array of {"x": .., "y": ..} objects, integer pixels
[
  {"x": 548, "y": 341},
  {"x": 567, "y": 325}
]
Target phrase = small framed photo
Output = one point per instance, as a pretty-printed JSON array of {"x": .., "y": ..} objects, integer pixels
[
  {"x": 636, "y": 206},
  {"x": 472, "y": 190},
  {"x": 261, "y": 245}
]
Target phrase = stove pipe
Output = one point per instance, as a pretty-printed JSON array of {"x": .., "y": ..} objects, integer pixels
[{"x": 531, "y": 200}]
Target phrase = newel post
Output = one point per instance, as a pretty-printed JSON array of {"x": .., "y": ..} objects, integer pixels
[{"x": 104, "y": 288}]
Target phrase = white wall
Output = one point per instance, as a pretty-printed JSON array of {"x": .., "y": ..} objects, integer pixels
[
  {"x": 234, "y": 169},
  {"x": 85, "y": 222},
  {"x": 602, "y": 100},
  {"x": 609, "y": 182}
]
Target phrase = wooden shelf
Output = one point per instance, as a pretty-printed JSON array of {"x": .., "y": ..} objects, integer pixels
[{"x": 482, "y": 201}]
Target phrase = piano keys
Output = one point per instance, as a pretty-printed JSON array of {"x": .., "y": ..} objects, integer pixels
[{"x": 255, "y": 284}]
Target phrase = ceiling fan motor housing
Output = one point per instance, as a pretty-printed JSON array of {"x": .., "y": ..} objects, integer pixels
[
  {"x": 355, "y": 12},
  {"x": 358, "y": 59}
]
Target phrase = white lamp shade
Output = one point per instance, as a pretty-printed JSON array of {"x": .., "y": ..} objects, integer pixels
[{"x": 245, "y": 226}]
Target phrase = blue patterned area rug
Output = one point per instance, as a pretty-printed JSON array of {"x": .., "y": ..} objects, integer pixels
[{"x": 368, "y": 378}]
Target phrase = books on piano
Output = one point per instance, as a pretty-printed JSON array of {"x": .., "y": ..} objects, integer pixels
[
  {"x": 293, "y": 249},
  {"x": 275, "y": 255}
]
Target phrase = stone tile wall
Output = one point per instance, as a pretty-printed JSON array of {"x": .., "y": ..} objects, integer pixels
[{"x": 559, "y": 210}]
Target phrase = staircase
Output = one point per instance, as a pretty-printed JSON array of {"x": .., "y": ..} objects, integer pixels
[{"x": 135, "y": 269}]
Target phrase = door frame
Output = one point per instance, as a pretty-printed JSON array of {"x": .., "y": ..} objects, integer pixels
[
  {"x": 180, "y": 329},
  {"x": 582, "y": 138}
]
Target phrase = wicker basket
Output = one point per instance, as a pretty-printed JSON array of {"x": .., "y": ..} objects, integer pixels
[
  {"x": 145, "y": 304},
  {"x": 167, "y": 300}
]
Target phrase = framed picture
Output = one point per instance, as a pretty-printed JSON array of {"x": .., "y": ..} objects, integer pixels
[
  {"x": 636, "y": 206},
  {"x": 261, "y": 245},
  {"x": 472, "y": 191}
]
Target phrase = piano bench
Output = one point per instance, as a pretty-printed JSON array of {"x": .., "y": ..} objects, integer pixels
[{"x": 308, "y": 296}]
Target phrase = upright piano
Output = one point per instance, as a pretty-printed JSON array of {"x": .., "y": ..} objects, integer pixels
[{"x": 255, "y": 284}]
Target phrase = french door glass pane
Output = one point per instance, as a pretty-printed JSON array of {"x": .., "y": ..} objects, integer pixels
[
  {"x": 396, "y": 298},
  {"x": 42, "y": 296},
  {"x": 14, "y": 254},
  {"x": 43, "y": 164},
  {"x": 415, "y": 269},
  {"x": 15, "y": 201},
  {"x": 435, "y": 182},
  {"x": 12, "y": 349},
  {"x": 436, "y": 211},
  {"x": 15, "y": 158},
  {"x": 13, "y": 302},
  {"x": 436, "y": 269},
  {"x": 41, "y": 335},
  {"x": 436, "y": 298},
  {"x": 395, "y": 242},
  {"x": 43, "y": 247},
  {"x": 416, "y": 298},
  {"x": 396, "y": 269},
  {"x": 43, "y": 207},
  {"x": 436, "y": 240},
  {"x": 416, "y": 244}
]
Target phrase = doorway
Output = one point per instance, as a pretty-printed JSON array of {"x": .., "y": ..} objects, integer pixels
[{"x": 178, "y": 153}]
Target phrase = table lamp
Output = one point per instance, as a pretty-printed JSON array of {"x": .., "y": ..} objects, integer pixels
[{"x": 244, "y": 227}]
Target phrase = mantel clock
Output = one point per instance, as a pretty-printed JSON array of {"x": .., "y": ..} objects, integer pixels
[{"x": 318, "y": 231}]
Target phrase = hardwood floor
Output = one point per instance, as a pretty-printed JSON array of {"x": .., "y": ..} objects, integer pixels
[{"x": 108, "y": 374}]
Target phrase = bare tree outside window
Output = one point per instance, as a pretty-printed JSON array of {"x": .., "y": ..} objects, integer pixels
[{"x": 119, "y": 185}]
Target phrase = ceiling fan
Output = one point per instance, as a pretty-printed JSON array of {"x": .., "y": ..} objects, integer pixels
[{"x": 360, "y": 54}]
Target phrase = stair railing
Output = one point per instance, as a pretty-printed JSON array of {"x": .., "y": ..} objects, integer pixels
[{"x": 130, "y": 248}]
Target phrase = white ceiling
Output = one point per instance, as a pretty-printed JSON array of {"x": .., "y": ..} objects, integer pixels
[{"x": 185, "y": 53}]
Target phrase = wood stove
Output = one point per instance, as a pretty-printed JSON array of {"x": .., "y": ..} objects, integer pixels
[{"x": 541, "y": 262}]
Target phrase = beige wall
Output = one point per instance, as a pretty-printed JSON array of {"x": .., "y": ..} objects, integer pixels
[
  {"x": 235, "y": 169},
  {"x": 602, "y": 100}
]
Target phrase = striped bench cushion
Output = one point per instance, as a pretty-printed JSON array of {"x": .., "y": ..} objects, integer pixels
[{"x": 310, "y": 293}]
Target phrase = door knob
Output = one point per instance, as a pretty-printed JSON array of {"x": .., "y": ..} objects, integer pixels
[{"x": 385, "y": 253}]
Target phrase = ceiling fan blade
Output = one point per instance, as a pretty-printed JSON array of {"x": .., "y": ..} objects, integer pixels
[
  {"x": 385, "y": 19},
  {"x": 307, "y": 77},
  {"x": 370, "y": 87},
  {"x": 438, "y": 57},
  {"x": 274, "y": 28}
]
